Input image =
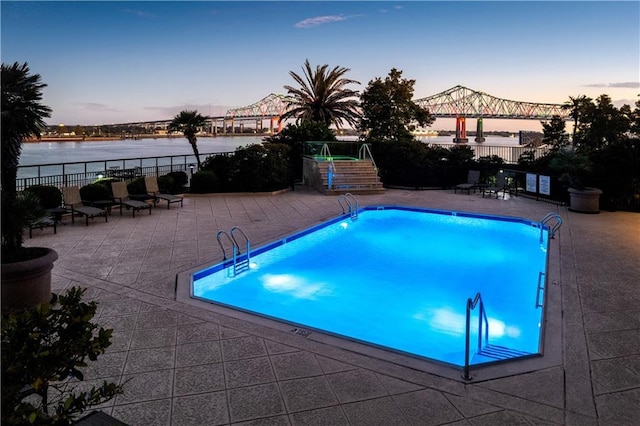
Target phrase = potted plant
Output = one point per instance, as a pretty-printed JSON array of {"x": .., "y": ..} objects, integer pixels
[
  {"x": 44, "y": 349},
  {"x": 574, "y": 169},
  {"x": 26, "y": 271}
]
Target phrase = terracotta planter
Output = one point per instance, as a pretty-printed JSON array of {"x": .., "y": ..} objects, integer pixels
[
  {"x": 27, "y": 283},
  {"x": 585, "y": 200}
]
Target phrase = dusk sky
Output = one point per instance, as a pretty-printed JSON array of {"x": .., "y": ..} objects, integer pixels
[{"x": 121, "y": 61}]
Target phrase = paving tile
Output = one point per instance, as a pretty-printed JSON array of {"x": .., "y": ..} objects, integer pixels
[
  {"x": 199, "y": 332},
  {"x": 146, "y": 386},
  {"x": 158, "y": 319},
  {"x": 545, "y": 386},
  {"x": 109, "y": 364},
  {"x": 278, "y": 348},
  {"x": 307, "y": 393},
  {"x": 198, "y": 353},
  {"x": 295, "y": 364},
  {"x": 470, "y": 408},
  {"x": 395, "y": 386},
  {"x": 203, "y": 409},
  {"x": 616, "y": 374},
  {"x": 243, "y": 402},
  {"x": 614, "y": 343},
  {"x": 153, "y": 337},
  {"x": 149, "y": 413},
  {"x": 356, "y": 385},
  {"x": 427, "y": 407},
  {"x": 333, "y": 366},
  {"x": 242, "y": 347},
  {"x": 505, "y": 418},
  {"x": 119, "y": 323},
  {"x": 330, "y": 416},
  {"x": 198, "y": 379},
  {"x": 247, "y": 372},
  {"x": 374, "y": 412},
  {"x": 120, "y": 341},
  {"x": 268, "y": 421},
  {"x": 150, "y": 360}
]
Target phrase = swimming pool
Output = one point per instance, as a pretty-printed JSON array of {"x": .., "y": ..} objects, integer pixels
[{"x": 398, "y": 278}]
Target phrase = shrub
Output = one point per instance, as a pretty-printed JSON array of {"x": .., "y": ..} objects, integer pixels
[
  {"x": 50, "y": 196},
  {"x": 95, "y": 192},
  {"x": 136, "y": 186},
  {"x": 43, "y": 349},
  {"x": 222, "y": 166},
  {"x": 165, "y": 183},
  {"x": 180, "y": 178},
  {"x": 203, "y": 182}
]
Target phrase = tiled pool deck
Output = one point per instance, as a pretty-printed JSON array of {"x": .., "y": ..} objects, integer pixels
[{"x": 186, "y": 365}]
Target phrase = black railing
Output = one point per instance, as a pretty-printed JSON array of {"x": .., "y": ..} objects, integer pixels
[{"x": 84, "y": 172}]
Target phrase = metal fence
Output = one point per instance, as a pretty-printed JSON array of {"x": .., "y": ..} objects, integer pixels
[
  {"x": 84, "y": 172},
  {"x": 510, "y": 154}
]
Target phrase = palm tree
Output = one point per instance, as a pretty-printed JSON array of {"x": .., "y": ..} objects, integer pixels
[
  {"x": 23, "y": 116},
  {"x": 323, "y": 96},
  {"x": 189, "y": 123}
]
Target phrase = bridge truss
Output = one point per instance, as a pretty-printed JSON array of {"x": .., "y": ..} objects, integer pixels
[
  {"x": 273, "y": 105},
  {"x": 460, "y": 101}
]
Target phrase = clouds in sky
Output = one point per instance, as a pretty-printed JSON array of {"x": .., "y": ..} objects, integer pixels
[
  {"x": 621, "y": 85},
  {"x": 320, "y": 20},
  {"x": 140, "y": 13}
]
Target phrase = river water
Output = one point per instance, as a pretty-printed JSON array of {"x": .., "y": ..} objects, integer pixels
[{"x": 38, "y": 153}]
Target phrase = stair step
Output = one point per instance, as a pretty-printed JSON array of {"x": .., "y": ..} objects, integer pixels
[{"x": 500, "y": 352}]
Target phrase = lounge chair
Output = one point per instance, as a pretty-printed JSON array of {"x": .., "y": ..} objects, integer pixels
[
  {"x": 500, "y": 186},
  {"x": 73, "y": 201},
  {"x": 151, "y": 183},
  {"x": 121, "y": 197},
  {"x": 473, "y": 179},
  {"x": 43, "y": 223}
]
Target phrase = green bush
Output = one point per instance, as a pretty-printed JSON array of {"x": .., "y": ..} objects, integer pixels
[
  {"x": 180, "y": 178},
  {"x": 203, "y": 182},
  {"x": 95, "y": 192},
  {"x": 136, "y": 186},
  {"x": 222, "y": 165},
  {"x": 166, "y": 184},
  {"x": 50, "y": 196}
]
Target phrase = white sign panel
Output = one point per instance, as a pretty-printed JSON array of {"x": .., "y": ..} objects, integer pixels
[
  {"x": 545, "y": 185},
  {"x": 532, "y": 182}
]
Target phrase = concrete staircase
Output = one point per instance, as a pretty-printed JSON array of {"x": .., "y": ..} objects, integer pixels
[{"x": 354, "y": 176}]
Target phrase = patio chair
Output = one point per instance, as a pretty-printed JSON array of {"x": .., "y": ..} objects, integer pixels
[
  {"x": 151, "y": 184},
  {"x": 122, "y": 199},
  {"x": 473, "y": 179},
  {"x": 73, "y": 201},
  {"x": 500, "y": 186}
]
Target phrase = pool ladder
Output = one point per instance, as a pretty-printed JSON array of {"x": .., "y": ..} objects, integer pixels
[
  {"x": 482, "y": 321},
  {"x": 348, "y": 201},
  {"x": 552, "y": 229},
  {"x": 239, "y": 265}
]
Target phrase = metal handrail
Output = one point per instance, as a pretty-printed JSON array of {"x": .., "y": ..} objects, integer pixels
[
  {"x": 352, "y": 203},
  {"x": 482, "y": 316},
  {"x": 219, "y": 238},
  {"x": 325, "y": 152},
  {"x": 362, "y": 154},
  {"x": 237, "y": 251},
  {"x": 552, "y": 230}
]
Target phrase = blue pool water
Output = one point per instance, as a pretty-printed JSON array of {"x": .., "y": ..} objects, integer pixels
[{"x": 398, "y": 278}]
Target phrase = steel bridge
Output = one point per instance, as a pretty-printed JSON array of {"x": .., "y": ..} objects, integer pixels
[{"x": 458, "y": 102}]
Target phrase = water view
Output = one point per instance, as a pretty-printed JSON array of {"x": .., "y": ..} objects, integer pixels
[{"x": 69, "y": 152}]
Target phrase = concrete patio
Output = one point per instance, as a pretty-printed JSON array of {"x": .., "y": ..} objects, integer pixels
[{"x": 186, "y": 364}]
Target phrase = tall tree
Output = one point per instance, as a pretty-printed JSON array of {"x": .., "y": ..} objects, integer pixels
[
  {"x": 554, "y": 133},
  {"x": 388, "y": 109},
  {"x": 602, "y": 124},
  {"x": 576, "y": 107},
  {"x": 323, "y": 96},
  {"x": 189, "y": 123}
]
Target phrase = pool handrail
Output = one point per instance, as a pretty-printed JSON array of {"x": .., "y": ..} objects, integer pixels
[
  {"x": 352, "y": 203},
  {"x": 552, "y": 229},
  {"x": 362, "y": 154},
  {"x": 219, "y": 238},
  {"x": 240, "y": 266},
  {"x": 482, "y": 318}
]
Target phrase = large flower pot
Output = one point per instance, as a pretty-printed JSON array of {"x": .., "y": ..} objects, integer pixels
[
  {"x": 585, "y": 200},
  {"x": 28, "y": 282}
]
